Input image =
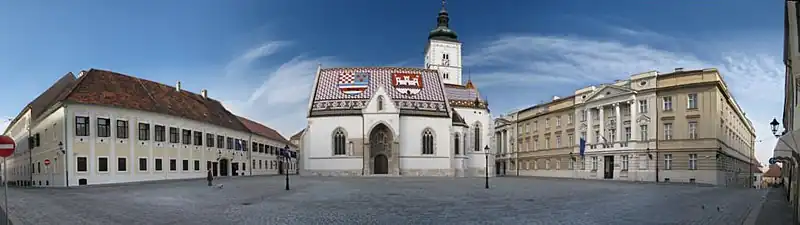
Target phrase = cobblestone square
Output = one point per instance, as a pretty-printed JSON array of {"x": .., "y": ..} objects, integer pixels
[{"x": 385, "y": 200}]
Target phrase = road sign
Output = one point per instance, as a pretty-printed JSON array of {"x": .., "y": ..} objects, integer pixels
[
  {"x": 46, "y": 162},
  {"x": 772, "y": 161},
  {"x": 7, "y": 146}
]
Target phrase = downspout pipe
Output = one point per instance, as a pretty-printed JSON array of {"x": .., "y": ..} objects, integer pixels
[{"x": 66, "y": 147}]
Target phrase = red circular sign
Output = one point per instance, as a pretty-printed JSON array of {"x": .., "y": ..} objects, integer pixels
[
  {"x": 46, "y": 162},
  {"x": 7, "y": 146}
]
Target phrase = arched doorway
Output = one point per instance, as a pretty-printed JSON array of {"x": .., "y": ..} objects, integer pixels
[
  {"x": 381, "y": 164},
  {"x": 380, "y": 147},
  {"x": 223, "y": 167}
]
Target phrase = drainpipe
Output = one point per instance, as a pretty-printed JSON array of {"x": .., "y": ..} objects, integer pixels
[
  {"x": 363, "y": 142},
  {"x": 66, "y": 141},
  {"x": 30, "y": 153},
  {"x": 250, "y": 154}
]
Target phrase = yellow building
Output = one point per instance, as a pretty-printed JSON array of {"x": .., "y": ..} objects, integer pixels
[
  {"x": 682, "y": 126},
  {"x": 103, "y": 127}
]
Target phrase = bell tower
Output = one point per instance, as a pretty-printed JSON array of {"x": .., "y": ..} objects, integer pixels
[{"x": 443, "y": 52}]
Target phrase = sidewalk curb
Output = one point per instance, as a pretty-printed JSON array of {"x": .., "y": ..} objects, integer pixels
[{"x": 752, "y": 215}]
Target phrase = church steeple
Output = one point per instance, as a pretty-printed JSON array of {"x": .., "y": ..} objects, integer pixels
[{"x": 442, "y": 30}]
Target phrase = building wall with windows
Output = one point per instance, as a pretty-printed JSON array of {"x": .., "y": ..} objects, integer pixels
[
  {"x": 681, "y": 126},
  {"x": 89, "y": 144}
]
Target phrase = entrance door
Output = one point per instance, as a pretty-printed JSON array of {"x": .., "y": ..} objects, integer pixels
[
  {"x": 214, "y": 167},
  {"x": 381, "y": 164},
  {"x": 608, "y": 167},
  {"x": 235, "y": 169},
  {"x": 223, "y": 167}
]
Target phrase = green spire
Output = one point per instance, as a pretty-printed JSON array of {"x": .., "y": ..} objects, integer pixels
[{"x": 442, "y": 30}]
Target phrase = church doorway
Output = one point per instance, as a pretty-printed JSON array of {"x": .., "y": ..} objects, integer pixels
[
  {"x": 381, "y": 164},
  {"x": 380, "y": 146},
  {"x": 223, "y": 167}
]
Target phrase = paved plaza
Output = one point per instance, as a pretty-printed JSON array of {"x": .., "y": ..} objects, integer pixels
[{"x": 385, "y": 200}]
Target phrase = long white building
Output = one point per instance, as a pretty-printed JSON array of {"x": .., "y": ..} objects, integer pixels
[
  {"x": 399, "y": 121},
  {"x": 103, "y": 127}
]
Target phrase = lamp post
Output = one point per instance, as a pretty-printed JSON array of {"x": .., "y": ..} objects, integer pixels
[
  {"x": 286, "y": 164},
  {"x": 486, "y": 153}
]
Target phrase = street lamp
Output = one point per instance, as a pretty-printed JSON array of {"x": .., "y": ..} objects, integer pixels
[
  {"x": 286, "y": 164},
  {"x": 774, "y": 125},
  {"x": 487, "y": 165},
  {"x": 66, "y": 171}
]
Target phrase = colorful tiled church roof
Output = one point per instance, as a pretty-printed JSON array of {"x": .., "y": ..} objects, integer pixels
[{"x": 345, "y": 91}]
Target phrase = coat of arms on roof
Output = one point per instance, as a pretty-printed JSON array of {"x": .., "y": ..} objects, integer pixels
[
  {"x": 407, "y": 83},
  {"x": 353, "y": 83}
]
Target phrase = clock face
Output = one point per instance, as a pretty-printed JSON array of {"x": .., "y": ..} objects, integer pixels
[{"x": 446, "y": 62}]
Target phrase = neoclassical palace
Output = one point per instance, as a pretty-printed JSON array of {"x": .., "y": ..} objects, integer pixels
[
  {"x": 681, "y": 126},
  {"x": 398, "y": 121},
  {"x": 104, "y": 127}
]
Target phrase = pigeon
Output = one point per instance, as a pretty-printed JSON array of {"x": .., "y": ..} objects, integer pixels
[{"x": 219, "y": 186}]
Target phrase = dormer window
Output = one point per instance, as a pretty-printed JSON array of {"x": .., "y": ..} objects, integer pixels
[{"x": 446, "y": 75}]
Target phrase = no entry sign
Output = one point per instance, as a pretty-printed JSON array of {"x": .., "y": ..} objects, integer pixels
[
  {"x": 7, "y": 146},
  {"x": 46, "y": 162}
]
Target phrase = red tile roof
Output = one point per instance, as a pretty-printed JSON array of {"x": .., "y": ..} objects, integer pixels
[
  {"x": 106, "y": 88},
  {"x": 263, "y": 131},
  {"x": 773, "y": 171}
]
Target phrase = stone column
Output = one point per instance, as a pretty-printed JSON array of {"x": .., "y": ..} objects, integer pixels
[
  {"x": 634, "y": 125},
  {"x": 618, "y": 136},
  {"x": 602, "y": 124},
  {"x": 589, "y": 126}
]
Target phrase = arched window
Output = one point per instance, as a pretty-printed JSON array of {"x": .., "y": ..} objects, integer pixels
[
  {"x": 339, "y": 142},
  {"x": 477, "y": 137},
  {"x": 380, "y": 103},
  {"x": 457, "y": 144},
  {"x": 427, "y": 142}
]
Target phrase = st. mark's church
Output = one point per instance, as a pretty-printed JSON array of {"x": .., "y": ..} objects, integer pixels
[{"x": 399, "y": 121}]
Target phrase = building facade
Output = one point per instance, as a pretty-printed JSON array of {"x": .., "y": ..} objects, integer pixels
[
  {"x": 787, "y": 150},
  {"x": 104, "y": 127},
  {"x": 682, "y": 126},
  {"x": 399, "y": 121}
]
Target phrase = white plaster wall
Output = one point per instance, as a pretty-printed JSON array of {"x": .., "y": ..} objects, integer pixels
[
  {"x": 433, "y": 59},
  {"x": 133, "y": 174},
  {"x": 683, "y": 176},
  {"x": 411, "y": 157},
  {"x": 318, "y": 146}
]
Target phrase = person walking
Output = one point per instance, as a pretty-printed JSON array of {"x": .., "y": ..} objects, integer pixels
[{"x": 210, "y": 177}]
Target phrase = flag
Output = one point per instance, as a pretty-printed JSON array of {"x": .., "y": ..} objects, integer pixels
[{"x": 582, "y": 146}]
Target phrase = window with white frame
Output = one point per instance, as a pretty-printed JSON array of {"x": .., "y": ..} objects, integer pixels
[
  {"x": 583, "y": 163},
  {"x": 571, "y": 139},
  {"x": 667, "y": 161},
  {"x": 624, "y": 162},
  {"x": 643, "y": 106},
  {"x": 571, "y": 164},
  {"x": 594, "y": 163},
  {"x": 667, "y": 103},
  {"x": 627, "y": 133},
  {"x": 691, "y": 101},
  {"x": 547, "y": 142},
  {"x": 643, "y": 132},
  {"x": 693, "y": 130},
  {"x": 558, "y": 121},
  {"x": 558, "y": 164},
  {"x": 536, "y": 143},
  {"x": 547, "y": 164},
  {"x": 570, "y": 118},
  {"x": 667, "y": 131},
  {"x": 583, "y": 115},
  {"x": 547, "y": 123},
  {"x": 558, "y": 141},
  {"x": 692, "y": 161}
]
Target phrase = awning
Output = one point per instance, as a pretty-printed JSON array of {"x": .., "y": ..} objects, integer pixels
[{"x": 786, "y": 144}]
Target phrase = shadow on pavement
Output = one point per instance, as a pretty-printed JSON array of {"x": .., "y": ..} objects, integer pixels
[{"x": 776, "y": 210}]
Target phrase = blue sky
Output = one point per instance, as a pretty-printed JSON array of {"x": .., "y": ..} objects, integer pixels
[{"x": 258, "y": 57}]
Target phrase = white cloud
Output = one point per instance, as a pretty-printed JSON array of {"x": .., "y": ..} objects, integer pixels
[
  {"x": 4, "y": 122},
  {"x": 535, "y": 62},
  {"x": 281, "y": 97}
]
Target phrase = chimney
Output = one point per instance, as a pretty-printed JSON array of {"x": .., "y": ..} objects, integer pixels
[
  {"x": 679, "y": 69},
  {"x": 178, "y": 86},
  {"x": 204, "y": 93}
]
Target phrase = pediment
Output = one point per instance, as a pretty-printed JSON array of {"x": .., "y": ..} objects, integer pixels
[
  {"x": 380, "y": 97},
  {"x": 642, "y": 119},
  {"x": 608, "y": 91}
]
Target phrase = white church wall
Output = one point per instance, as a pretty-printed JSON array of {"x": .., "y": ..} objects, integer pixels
[
  {"x": 412, "y": 161},
  {"x": 320, "y": 159}
]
